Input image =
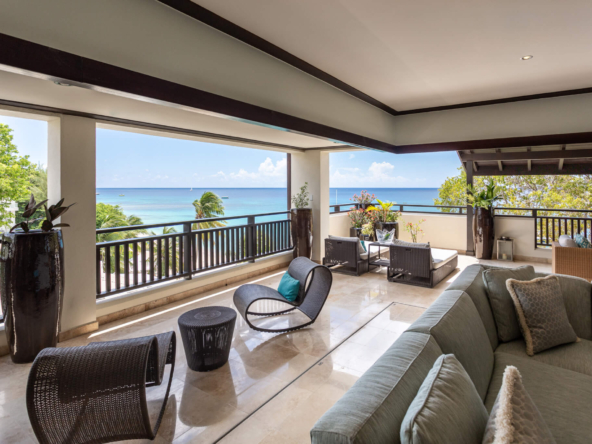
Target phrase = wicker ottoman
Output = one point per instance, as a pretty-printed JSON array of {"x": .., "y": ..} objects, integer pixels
[{"x": 207, "y": 336}]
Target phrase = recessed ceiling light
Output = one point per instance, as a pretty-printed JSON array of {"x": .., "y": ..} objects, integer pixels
[
  {"x": 527, "y": 57},
  {"x": 62, "y": 83}
]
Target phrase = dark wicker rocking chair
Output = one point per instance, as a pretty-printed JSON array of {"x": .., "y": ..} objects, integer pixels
[
  {"x": 97, "y": 393},
  {"x": 311, "y": 298}
]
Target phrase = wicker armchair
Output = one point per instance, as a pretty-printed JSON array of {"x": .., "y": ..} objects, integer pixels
[
  {"x": 315, "y": 284},
  {"x": 346, "y": 254},
  {"x": 97, "y": 393},
  {"x": 572, "y": 261},
  {"x": 420, "y": 265}
]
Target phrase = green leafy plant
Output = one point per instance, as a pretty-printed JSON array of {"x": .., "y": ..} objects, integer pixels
[
  {"x": 484, "y": 198},
  {"x": 51, "y": 214},
  {"x": 364, "y": 198},
  {"x": 368, "y": 230},
  {"x": 209, "y": 205},
  {"x": 414, "y": 229},
  {"x": 383, "y": 211},
  {"x": 302, "y": 199},
  {"x": 358, "y": 218}
]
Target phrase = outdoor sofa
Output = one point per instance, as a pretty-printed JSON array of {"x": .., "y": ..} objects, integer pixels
[
  {"x": 347, "y": 255},
  {"x": 461, "y": 322},
  {"x": 570, "y": 259}
]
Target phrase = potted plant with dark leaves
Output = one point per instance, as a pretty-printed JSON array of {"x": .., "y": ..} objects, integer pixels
[
  {"x": 32, "y": 281},
  {"x": 301, "y": 217},
  {"x": 357, "y": 218},
  {"x": 483, "y": 229},
  {"x": 386, "y": 218}
]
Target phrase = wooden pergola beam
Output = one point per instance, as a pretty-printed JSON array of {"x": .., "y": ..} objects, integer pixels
[
  {"x": 528, "y": 155},
  {"x": 535, "y": 170}
]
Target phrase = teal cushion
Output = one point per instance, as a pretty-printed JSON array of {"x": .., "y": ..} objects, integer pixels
[
  {"x": 289, "y": 287},
  {"x": 582, "y": 241}
]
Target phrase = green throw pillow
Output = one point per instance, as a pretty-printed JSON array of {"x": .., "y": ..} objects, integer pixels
[
  {"x": 582, "y": 241},
  {"x": 289, "y": 287}
]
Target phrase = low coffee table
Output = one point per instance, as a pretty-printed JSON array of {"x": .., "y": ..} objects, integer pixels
[{"x": 207, "y": 336}]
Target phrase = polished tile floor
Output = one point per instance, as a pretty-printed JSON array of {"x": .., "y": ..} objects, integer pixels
[{"x": 274, "y": 387}]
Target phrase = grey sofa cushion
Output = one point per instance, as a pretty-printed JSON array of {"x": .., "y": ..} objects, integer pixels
[
  {"x": 541, "y": 313},
  {"x": 403, "y": 243},
  {"x": 576, "y": 357},
  {"x": 577, "y": 295},
  {"x": 500, "y": 300},
  {"x": 471, "y": 282},
  {"x": 447, "y": 408},
  {"x": 455, "y": 324},
  {"x": 361, "y": 248},
  {"x": 562, "y": 396},
  {"x": 514, "y": 416},
  {"x": 373, "y": 409}
]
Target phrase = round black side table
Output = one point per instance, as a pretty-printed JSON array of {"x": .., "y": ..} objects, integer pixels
[{"x": 207, "y": 336}]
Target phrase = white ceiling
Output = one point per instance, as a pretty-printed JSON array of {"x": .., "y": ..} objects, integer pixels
[
  {"x": 413, "y": 54},
  {"x": 25, "y": 89}
]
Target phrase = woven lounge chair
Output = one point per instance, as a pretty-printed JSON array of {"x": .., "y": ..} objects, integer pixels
[
  {"x": 315, "y": 284},
  {"x": 419, "y": 264},
  {"x": 97, "y": 393}
]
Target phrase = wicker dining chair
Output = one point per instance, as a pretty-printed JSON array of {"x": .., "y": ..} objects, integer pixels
[
  {"x": 315, "y": 284},
  {"x": 97, "y": 393}
]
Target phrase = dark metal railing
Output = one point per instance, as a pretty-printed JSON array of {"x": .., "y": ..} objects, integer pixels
[
  {"x": 127, "y": 264},
  {"x": 455, "y": 209}
]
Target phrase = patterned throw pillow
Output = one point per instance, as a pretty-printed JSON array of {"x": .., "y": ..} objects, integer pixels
[
  {"x": 582, "y": 241},
  {"x": 514, "y": 417},
  {"x": 385, "y": 236},
  {"x": 541, "y": 313}
]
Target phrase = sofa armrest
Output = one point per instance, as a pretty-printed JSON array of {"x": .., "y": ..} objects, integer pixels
[
  {"x": 577, "y": 294},
  {"x": 338, "y": 251}
]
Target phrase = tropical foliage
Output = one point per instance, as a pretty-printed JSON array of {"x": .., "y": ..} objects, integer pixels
[
  {"x": 484, "y": 198},
  {"x": 554, "y": 192},
  {"x": 414, "y": 229},
  {"x": 302, "y": 199},
  {"x": 358, "y": 218},
  {"x": 51, "y": 214},
  {"x": 111, "y": 216},
  {"x": 383, "y": 211},
  {"x": 209, "y": 205},
  {"x": 15, "y": 171}
]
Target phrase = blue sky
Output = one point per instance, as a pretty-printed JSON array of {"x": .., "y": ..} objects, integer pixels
[{"x": 129, "y": 160}]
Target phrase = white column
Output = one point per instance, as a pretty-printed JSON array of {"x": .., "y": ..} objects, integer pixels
[
  {"x": 71, "y": 171},
  {"x": 313, "y": 167}
]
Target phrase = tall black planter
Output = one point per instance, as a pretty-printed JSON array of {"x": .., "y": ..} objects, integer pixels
[
  {"x": 388, "y": 226},
  {"x": 31, "y": 287},
  {"x": 302, "y": 232},
  {"x": 483, "y": 233}
]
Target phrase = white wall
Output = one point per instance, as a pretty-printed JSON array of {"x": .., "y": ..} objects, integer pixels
[
  {"x": 313, "y": 168},
  {"x": 448, "y": 232},
  {"x": 71, "y": 175},
  {"x": 339, "y": 224},
  {"x": 521, "y": 230},
  {"x": 148, "y": 37}
]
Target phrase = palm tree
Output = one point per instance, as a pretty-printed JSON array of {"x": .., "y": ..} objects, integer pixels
[{"x": 209, "y": 205}]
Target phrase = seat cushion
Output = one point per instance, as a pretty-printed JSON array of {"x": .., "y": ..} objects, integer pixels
[
  {"x": 361, "y": 248},
  {"x": 455, "y": 324},
  {"x": 562, "y": 396},
  {"x": 504, "y": 313},
  {"x": 373, "y": 409},
  {"x": 471, "y": 282},
  {"x": 442, "y": 257},
  {"x": 447, "y": 408},
  {"x": 566, "y": 241},
  {"x": 576, "y": 357}
]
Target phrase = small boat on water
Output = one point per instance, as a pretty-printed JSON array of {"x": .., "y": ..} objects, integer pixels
[
  {"x": 121, "y": 195},
  {"x": 224, "y": 197},
  {"x": 191, "y": 189},
  {"x": 98, "y": 194}
]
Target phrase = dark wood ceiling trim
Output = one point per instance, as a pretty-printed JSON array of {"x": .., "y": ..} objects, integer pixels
[
  {"x": 507, "y": 142},
  {"x": 147, "y": 125},
  {"x": 569, "y": 92},
  {"x": 528, "y": 155},
  {"x": 40, "y": 61},
  {"x": 535, "y": 170},
  {"x": 215, "y": 21}
]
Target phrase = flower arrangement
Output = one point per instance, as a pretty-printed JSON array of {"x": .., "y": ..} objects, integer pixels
[
  {"x": 383, "y": 211},
  {"x": 364, "y": 198},
  {"x": 358, "y": 218},
  {"x": 414, "y": 229},
  {"x": 368, "y": 229}
]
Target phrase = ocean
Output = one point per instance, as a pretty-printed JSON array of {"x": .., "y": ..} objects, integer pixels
[{"x": 162, "y": 205}]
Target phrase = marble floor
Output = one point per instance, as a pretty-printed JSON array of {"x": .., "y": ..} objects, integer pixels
[{"x": 275, "y": 386}]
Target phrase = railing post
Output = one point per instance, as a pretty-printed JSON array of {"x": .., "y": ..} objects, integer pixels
[
  {"x": 251, "y": 238},
  {"x": 187, "y": 251},
  {"x": 534, "y": 216},
  {"x": 401, "y": 208}
]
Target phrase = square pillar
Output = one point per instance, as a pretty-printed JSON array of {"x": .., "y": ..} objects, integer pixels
[
  {"x": 313, "y": 167},
  {"x": 71, "y": 174}
]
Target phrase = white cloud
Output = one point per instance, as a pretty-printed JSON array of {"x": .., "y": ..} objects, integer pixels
[
  {"x": 351, "y": 156},
  {"x": 267, "y": 175},
  {"x": 377, "y": 175}
]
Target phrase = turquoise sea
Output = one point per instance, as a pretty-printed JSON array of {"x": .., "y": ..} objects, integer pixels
[{"x": 161, "y": 205}]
